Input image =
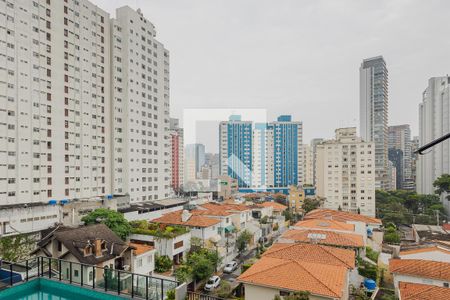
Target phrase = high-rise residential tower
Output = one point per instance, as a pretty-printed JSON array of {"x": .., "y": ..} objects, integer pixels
[
  {"x": 345, "y": 170},
  {"x": 177, "y": 154},
  {"x": 400, "y": 139},
  {"x": 236, "y": 150},
  {"x": 314, "y": 143},
  {"x": 54, "y": 101},
  {"x": 434, "y": 122},
  {"x": 373, "y": 105},
  {"x": 194, "y": 160},
  {"x": 140, "y": 77}
]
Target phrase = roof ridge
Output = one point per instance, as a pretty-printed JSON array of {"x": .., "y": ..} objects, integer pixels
[
  {"x": 273, "y": 267},
  {"x": 326, "y": 286},
  {"x": 330, "y": 252}
]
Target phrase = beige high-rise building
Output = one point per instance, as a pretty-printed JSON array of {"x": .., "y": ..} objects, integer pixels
[
  {"x": 308, "y": 165},
  {"x": 345, "y": 170}
]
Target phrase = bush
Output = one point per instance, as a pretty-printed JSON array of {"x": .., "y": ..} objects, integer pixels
[
  {"x": 245, "y": 267},
  {"x": 170, "y": 295},
  {"x": 371, "y": 254},
  {"x": 224, "y": 290},
  {"x": 392, "y": 238},
  {"x": 367, "y": 270},
  {"x": 162, "y": 264}
]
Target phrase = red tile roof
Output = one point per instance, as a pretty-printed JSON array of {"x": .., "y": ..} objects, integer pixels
[
  {"x": 174, "y": 218},
  {"x": 424, "y": 250},
  {"x": 342, "y": 216},
  {"x": 275, "y": 205},
  {"x": 285, "y": 274},
  {"x": 325, "y": 224},
  {"x": 446, "y": 226},
  {"x": 331, "y": 238},
  {"x": 418, "y": 291},
  {"x": 141, "y": 248},
  {"x": 313, "y": 253},
  {"x": 420, "y": 268}
]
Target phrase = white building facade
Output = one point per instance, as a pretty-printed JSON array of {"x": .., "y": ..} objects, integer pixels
[
  {"x": 434, "y": 122},
  {"x": 345, "y": 171},
  {"x": 140, "y": 76}
]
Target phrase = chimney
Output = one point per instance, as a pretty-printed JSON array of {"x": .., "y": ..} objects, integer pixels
[
  {"x": 98, "y": 248},
  {"x": 185, "y": 215}
]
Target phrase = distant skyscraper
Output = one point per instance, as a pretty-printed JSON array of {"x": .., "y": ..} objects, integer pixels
[
  {"x": 400, "y": 138},
  {"x": 434, "y": 122},
  {"x": 212, "y": 160},
  {"x": 194, "y": 161},
  {"x": 374, "y": 113},
  {"x": 346, "y": 172},
  {"x": 177, "y": 154},
  {"x": 396, "y": 157},
  {"x": 266, "y": 156},
  {"x": 236, "y": 150},
  {"x": 308, "y": 164}
]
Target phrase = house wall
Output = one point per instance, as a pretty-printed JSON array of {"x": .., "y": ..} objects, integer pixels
[
  {"x": 144, "y": 263},
  {"x": 431, "y": 255},
  {"x": 167, "y": 246},
  {"x": 253, "y": 292},
  {"x": 149, "y": 216},
  {"x": 413, "y": 279}
]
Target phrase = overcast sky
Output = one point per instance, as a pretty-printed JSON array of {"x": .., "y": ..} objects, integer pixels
[{"x": 297, "y": 57}]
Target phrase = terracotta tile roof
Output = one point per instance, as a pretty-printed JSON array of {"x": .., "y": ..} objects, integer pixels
[
  {"x": 275, "y": 205},
  {"x": 446, "y": 226},
  {"x": 174, "y": 218},
  {"x": 418, "y": 291},
  {"x": 313, "y": 253},
  {"x": 420, "y": 268},
  {"x": 426, "y": 249},
  {"x": 342, "y": 216},
  {"x": 225, "y": 207},
  {"x": 331, "y": 238},
  {"x": 141, "y": 248},
  {"x": 318, "y": 279},
  {"x": 325, "y": 224}
]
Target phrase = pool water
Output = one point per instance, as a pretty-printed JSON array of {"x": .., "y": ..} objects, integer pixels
[{"x": 44, "y": 289}]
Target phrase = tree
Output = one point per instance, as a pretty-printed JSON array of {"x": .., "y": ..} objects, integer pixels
[
  {"x": 16, "y": 248},
  {"x": 162, "y": 263},
  {"x": 302, "y": 295},
  {"x": 310, "y": 204},
  {"x": 442, "y": 184},
  {"x": 243, "y": 239},
  {"x": 202, "y": 267},
  {"x": 113, "y": 219}
]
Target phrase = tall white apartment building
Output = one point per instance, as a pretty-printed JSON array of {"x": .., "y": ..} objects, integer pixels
[
  {"x": 373, "y": 116},
  {"x": 140, "y": 76},
  {"x": 345, "y": 170},
  {"x": 434, "y": 122},
  {"x": 54, "y": 101},
  {"x": 308, "y": 164},
  {"x": 260, "y": 163}
]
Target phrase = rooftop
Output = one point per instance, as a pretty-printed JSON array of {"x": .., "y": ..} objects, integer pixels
[
  {"x": 341, "y": 216},
  {"x": 424, "y": 250},
  {"x": 420, "y": 268},
  {"x": 157, "y": 230},
  {"x": 141, "y": 248},
  {"x": 418, "y": 291},
  {"x": 275, "y": 205},
  {"x": 324, "y": 237},
  {"x": 297, "y": 275},
  {"x": 325, "y": 224},
  {"x": 174, "y": 218}
]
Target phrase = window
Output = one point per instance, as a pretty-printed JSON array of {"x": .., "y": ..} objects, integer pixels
[
  {"x": 59, "y": 246},
  {"x": 75, "y": 273}
]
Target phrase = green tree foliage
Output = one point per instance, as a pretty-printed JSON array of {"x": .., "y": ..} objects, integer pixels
[
  {"x": 162, "y": 263},
  {"x": 113, "y": 219},
  {"x": 224, "y": 290},
  {"x": 442, "y": 184},
  {"x": 371, "y": 254},
  {"x": 302, "y": 295},
  {"x": 199, "y": 265},
  {"x": 16, "y": 248},
  {"x": 310, "y": 204},
  {"x": 367, "y": 269},
  {"x": 407, "y": 207},
  {"x": 170, "y": 295},
  {"x": 242, "y": 241}
]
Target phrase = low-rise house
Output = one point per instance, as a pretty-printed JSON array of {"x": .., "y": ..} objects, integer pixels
[
  {"x": 420, "y": 271},
  {"x": 288, "y": 268},
  {"x": 330, "y": 238},
  {"x": 277, "y": 208},
  {"x": 429, "y": 233},
  {"x": 418, "y": 291},
  {"x": 91, "y": 245},
  {"x": 434, "y": 253},
  {"x": 324, "y": 224},
  {"x": 239, "y": 214},
  {"x": 143, "y": 258},
  {"x": 203, "y": 227},
  {"x": 173, "y": 241},
  {"x": 151, "y": 210}
]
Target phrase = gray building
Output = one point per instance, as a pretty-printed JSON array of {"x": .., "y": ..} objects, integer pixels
[
  {"x": 396, "y": 157},
  {"x": 400, "y": 139},
  {"x": 434, "y": 122},
  {"x": 374, "y": 113}
]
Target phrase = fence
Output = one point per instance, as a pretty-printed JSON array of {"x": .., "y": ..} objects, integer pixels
[
  {"x": 89, "y": 276},
  {"x": 199, "y": 296}
]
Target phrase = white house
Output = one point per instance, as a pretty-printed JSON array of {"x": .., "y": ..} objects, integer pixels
[
  {"x": 434, "y": 253},
  {"x": 420, "y": 271},
  {"x": 143, "y": 259}
]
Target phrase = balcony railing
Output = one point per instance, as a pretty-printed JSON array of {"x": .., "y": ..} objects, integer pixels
[{"x": 89, "y": 276}]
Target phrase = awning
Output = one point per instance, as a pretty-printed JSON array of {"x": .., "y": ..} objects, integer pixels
[{"x": 229, "y": 228}]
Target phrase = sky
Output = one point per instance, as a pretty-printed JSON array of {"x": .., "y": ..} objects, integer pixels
[{"x": 296, "y": 57}]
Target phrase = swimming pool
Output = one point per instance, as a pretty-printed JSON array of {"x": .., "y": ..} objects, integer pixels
[{"x": 45, "y": 289}]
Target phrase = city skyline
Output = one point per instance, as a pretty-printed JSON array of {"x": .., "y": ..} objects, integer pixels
[{"x": 311, "y": 55}]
